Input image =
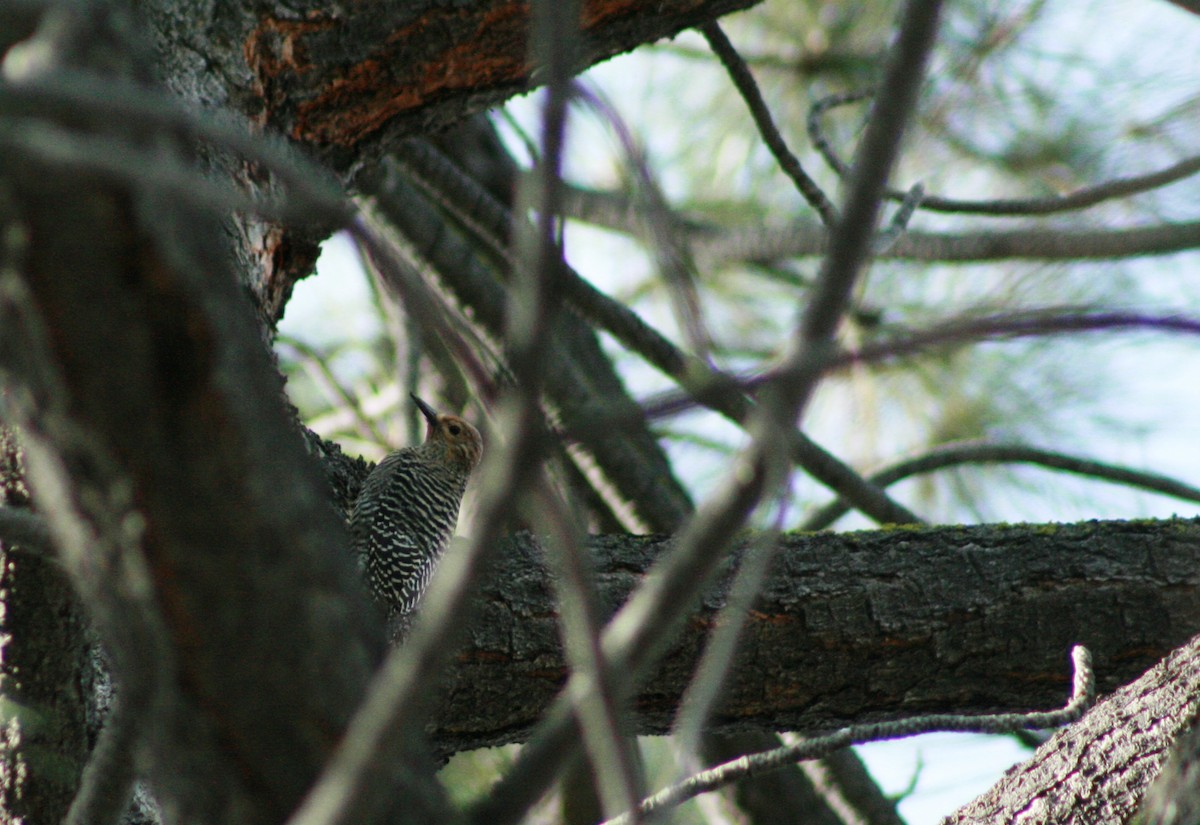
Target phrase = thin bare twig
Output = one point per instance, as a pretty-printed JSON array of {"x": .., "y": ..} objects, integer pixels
[
  {"x": 982, "y": 452},
  {"x": 1081, "y": 198},
  {"x": 1083, "y": 693},
  {"x": 817, "y": 135},
  {"x": 1034, "y": 323},
  {"x": 601, "y": 693},
  {"x": 744, "y": 81}
]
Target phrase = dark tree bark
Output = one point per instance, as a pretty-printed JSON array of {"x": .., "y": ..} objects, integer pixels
[
  {"x": 44, "y": 668},
  {"x": 860, "y": 626},
  {"x": 350, "y": 82},
  {"x": 1174, "y": 798},
  {"x": 183, "y": 508}
]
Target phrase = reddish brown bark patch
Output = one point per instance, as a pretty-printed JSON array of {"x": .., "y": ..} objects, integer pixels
[{"x": 334, "y": 81}]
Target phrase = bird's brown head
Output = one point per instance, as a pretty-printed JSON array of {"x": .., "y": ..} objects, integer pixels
[{"x": 461, "y": 443}]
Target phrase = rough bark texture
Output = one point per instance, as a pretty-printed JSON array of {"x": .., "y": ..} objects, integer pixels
[
  {"x": 861, "y": 626},
  {"x": 248, "y": 591},
  {"x": 43, "y": 708},
  {"x": 1174, "y": 798},
  {"x": 1096, "y": 771},
  {"x": 348, "y": 81}
]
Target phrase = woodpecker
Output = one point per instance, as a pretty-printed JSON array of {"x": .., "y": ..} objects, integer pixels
[{"x": 406, "y": 511}]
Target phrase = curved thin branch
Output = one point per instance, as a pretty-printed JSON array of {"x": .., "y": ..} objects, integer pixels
[
  {"x": 744, "y": 81},
  {"x": 976, "y": 452},
  {"x": 817, "y": 135},
  {"x": 1081, "y": 198},
  {"x": 1083, "y": 694},
  {"x": 958, "y": 331}
]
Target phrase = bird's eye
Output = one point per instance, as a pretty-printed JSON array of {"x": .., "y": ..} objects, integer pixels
[{"x": 454, "y": 429}]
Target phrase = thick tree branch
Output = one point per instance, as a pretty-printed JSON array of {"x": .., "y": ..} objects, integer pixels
[
  {"x": 350, "y": 81},
  {"x": 859, "y": 626}
]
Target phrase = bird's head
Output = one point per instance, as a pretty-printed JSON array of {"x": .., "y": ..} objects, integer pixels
[{"x": 461, "y": 443}]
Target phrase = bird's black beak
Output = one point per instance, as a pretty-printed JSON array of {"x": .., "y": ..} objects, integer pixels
[{"x": 429, "y": 412}]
